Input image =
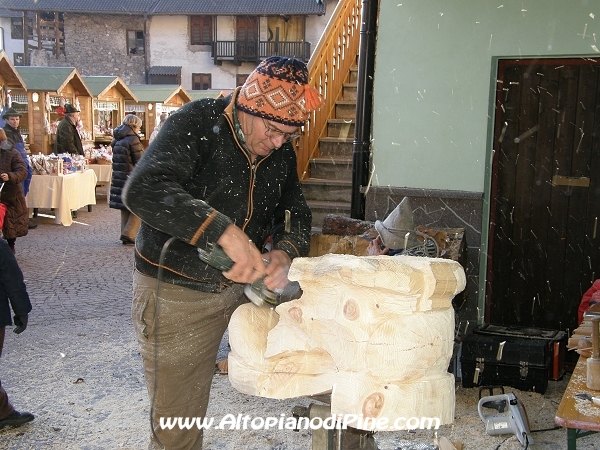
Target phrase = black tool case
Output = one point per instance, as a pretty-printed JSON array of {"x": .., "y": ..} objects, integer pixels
[
  {"x": 522, "y": 363},
  {"x": 556, "y": 343}
]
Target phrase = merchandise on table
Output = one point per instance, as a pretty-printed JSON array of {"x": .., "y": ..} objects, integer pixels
[
  {"x": 101, "y": 155},
  {"x": 62, "y": 164}
]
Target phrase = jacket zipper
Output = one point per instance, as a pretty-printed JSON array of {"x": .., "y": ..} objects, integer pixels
[{"x": 253, "y": 168}]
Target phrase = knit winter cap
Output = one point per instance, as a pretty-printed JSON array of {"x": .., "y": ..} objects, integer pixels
[{"x": 278, "y": 90}]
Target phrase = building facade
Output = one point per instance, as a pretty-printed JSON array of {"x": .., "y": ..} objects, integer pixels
[{"x": 200, "y": 45}]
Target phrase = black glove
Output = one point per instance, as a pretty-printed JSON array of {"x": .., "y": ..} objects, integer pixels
[{"x": 20, "y": 323}]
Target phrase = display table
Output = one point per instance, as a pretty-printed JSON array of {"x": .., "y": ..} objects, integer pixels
[
  {"x": 580, "y": 417},
  {"x": 64, "y": 193},
  {"x": 104, "y": 174}
]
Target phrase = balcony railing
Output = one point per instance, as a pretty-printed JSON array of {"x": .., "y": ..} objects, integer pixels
[{"x": 252, "y": 51}]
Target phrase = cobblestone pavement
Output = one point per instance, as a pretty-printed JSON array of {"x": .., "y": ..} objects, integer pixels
[{"x": 77, "y": 366}]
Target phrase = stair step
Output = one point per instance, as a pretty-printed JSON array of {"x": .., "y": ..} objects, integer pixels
[
  {"x": 320, "y": 209},
  {"x": 349, "y": 91},
  {"x": 345, "y": 109},
  {"x": 340, "y": 128},
  {"x": 330, "y": 147},
  {"x": 331, "y": 168},
  {"x": 327, "y": 190}
]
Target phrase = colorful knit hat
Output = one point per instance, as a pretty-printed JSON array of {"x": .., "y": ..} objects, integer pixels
[{"x": 278, "y": 90}]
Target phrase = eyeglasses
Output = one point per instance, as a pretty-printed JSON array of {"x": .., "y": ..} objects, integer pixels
[{"x": 272, "y": 132}]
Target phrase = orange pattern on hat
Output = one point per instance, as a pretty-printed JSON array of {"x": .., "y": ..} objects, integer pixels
[{"x": 278, "y": 90}]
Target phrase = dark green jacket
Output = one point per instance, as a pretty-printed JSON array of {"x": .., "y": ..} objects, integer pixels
[
  {"x": 67, "y": 138},
  {"x": 194, "y": 180}
]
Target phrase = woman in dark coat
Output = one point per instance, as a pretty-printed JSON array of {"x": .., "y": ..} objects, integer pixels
[
  {"x": 127, "y": 150},
  {"x": 12, "y": 172}
]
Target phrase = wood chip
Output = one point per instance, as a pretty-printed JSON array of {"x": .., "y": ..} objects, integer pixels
[{"x": 222, "y": 366}]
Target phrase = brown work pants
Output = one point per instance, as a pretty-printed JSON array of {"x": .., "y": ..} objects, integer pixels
[
  {"x": 179, "y": 331},
  {"x": 6, "y": 408}
]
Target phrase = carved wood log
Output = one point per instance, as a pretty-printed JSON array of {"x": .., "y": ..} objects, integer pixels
[
  {"x": 249, "y": 345},
  {"x": 265, "y": 383},
  {"x": 432, "y": 281},
  {"x": 345, "y": 226},
  {"x": 322, "y": 244},
  {"x": 285, "y": 375},
  {"x": 361, "y": 393},
  {"x": 376, "y": 331}
]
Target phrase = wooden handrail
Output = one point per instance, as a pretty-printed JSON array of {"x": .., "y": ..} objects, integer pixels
[{"x": 328, "y": 70}]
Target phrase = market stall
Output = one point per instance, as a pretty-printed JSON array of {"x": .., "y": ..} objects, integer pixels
[
  {"x": 48, "y": 89},
  {"x": 9, "y": 80},
  {"x": 108, "y": 105},
  {"x": 152, "y": 100}
]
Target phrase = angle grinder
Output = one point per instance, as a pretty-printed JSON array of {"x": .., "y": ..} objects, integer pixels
[{"x": 256, "y": 292}]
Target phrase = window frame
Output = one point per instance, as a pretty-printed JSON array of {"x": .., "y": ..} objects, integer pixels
[
  {"x": 135, "y": 40},
  {"x": 19, "y": 59},
  {"x": 205, "y": 34},
  {"x": 205, "y": 77},
  {"x": 241, "y": 78},
  {"x": 14, "y": 26}
]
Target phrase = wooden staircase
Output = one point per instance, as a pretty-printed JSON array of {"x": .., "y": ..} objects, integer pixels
[
  {"x": 328, "y": 190},
  {"x": 324, "y": 151}
]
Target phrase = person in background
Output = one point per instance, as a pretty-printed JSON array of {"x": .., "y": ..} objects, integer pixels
[
  {"x": 127, "y": 150},
  {"x": 12, "y": 119},
  {"x": 12, "y": 173},
  {"x": 67, "y": 136},
  {"x": 221, "y": 171},
  {"x": 163, "y": 118},
  {"x": 376, "y": 247},
  {"x": 13, "y": 292}
]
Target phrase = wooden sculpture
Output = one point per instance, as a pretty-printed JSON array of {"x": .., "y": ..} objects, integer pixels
[{"x": 375, "y": 332}]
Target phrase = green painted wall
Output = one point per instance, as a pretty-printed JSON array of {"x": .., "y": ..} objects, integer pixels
[{"x": 434, "y": 73}]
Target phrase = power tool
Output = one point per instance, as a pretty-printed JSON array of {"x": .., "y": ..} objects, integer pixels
[
  {"x": 510, "y": 416},
  {"x": 256, "y": 292}
]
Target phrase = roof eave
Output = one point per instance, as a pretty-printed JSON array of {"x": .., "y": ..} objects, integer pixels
[
  {"x": 12, "y": 78},
  {"x": 76, "y": 80},
  {"x": 181, "y": 92}
]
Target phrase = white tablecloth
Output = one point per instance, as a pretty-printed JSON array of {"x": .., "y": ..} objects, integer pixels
[
  {"x": 103, "y": 172},
  {"x": 104, "y": 175},
  {"x": 64, "y": 193}
]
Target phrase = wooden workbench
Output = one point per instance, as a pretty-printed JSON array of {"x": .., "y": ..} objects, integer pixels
[{"x": 579, "y": 416}]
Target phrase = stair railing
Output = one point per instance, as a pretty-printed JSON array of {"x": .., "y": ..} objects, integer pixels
[{"x": 328, "y": 69}]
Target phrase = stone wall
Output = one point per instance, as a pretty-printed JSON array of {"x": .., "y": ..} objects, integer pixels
[
  {"x": 440, "y": 209},
  {"x": 100, "y": 50}
]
